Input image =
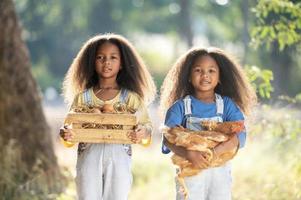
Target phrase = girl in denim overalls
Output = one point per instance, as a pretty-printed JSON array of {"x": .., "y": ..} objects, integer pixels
[
  {"x": 206, "y": 84},
  {"x": 108, "y": 70}
]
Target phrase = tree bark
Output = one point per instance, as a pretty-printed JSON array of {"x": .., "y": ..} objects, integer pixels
[
  {"x": 185, "y": 22},
  {"x": 23, "y": 128},
  {"x": 281, "y": 62},
  {"x": 245, "y": 37}
]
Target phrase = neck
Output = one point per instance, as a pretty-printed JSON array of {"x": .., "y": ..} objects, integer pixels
[
  {"x": 107, "y": 83},
  {"x": 205, "y": 96}
]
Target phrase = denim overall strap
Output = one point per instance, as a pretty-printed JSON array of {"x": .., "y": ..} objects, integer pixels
[
  {"x": 187, "y": 105},
  {"x": 187, "y": 110},
  {"x": 87, "y": 97},
  {"x": 123, "y": 95},
  {"x": 219, "y": 105}
]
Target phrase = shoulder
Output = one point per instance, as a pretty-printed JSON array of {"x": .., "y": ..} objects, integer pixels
[
  {"x": 229, "y": 103},
  {"x": 80, "y": 97},
  {"x": 177, "y": 107},
  {"x": 231, "y": 110},
  {"x": 174, "y": 115},
  {"x": 228, "y": 100},
  {"x": 177, "y": 104},
  {"x": 133, "y": 99},
  {"x": 133, "y": 96}
]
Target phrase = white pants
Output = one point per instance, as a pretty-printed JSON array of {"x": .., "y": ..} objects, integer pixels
[
  {"x": 209, "y": 184},
  {"x": 103, "y": 173}
]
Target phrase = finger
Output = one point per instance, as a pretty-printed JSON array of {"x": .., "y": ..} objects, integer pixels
[
  {"x": 61, "y": 133},
  {"x": 66, "y": 126},
  {"x": 138, "y": 129},
  {"x": 67, "y": 136},
  {"x": 128, "y": 134},
  {"x": 205, "y": 161},
  {"x": 131, "y": 135}
]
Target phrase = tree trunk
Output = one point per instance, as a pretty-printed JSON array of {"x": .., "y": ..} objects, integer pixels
[
  {"x": 185, "y": 22},
  {"x": 281, "y": 62},
  {"x": 27, "y": 156},
  {"x": 245, "y": 37}
]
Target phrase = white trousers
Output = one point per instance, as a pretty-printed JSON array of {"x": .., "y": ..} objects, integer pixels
[
  {"x": 103, "y": 173},
  {"x": 210, "y": 184}
]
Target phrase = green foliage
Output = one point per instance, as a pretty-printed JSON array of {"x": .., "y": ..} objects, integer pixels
[
  {"x": 261, "y": 80},
  {"x": 221, "y": 24},
  {"x": 291, "y": 100},
  {"x": 277, "y": 21}
]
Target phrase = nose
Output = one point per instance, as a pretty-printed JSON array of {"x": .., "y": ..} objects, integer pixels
[
  {"x": 205, "y": 74},
  {"x": 106, "y": 61}
]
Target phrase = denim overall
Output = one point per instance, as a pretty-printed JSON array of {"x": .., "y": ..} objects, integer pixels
[
  {"x": 104, "y": 170},
  {"x": 213, "y": 183}
]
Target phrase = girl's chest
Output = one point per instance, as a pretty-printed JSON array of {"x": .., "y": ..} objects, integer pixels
[
  {"x": 107, "y": 95},
  {"x": 204, "y": 111}
]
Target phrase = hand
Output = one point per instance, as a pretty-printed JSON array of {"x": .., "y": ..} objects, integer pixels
[
  {"x": 227, "y": 146},
  {"x": 66, "y": 132},
  {"x": 138, "y": 134},
  {"x": 197, "y": 158}
]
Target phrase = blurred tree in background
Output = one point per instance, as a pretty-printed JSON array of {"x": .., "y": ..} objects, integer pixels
[
  {"x": 278, "y": 27},
  {"x": 27, "y": 157}
]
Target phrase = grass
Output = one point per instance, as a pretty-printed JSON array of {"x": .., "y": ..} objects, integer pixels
[{"x": 269, "y": 167}]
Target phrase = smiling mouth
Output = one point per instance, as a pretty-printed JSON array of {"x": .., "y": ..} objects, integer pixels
[
  {"x": 107, "y": 69},
  {"x": 205, "y": 82}
]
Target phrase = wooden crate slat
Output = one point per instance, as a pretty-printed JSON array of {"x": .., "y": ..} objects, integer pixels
[
  {"x": 122, "y": 119},
  {"x": 124, "y": 127},
  {"x": 101, "y": 136},
  {"x": 107, "y": 141}
]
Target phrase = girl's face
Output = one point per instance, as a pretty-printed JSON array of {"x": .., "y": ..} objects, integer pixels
[
  {"x": 108, "y": 61},
  {"x": 204, "y": 74}
]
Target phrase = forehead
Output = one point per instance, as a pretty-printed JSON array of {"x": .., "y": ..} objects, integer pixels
[
  {"x": 108, "y": 47},
  {"x": 205, "y": 61}
]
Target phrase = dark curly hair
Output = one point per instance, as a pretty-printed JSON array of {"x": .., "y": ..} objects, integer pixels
[
  {"x": 133, "y": 76},
  {"x": 233, "y": 82}
]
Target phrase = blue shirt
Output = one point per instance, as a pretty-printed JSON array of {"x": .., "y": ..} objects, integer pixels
[{"x": 175, "y": 115}]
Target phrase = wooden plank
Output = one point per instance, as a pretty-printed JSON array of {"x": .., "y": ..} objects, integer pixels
[
  {"x": 122, "y": 119},
  {"x": 101, "y": 136},
  {"x": 124, "y": 127}
]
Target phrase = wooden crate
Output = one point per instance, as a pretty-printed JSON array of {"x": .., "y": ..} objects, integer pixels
[{"x": 104, "y": 134}]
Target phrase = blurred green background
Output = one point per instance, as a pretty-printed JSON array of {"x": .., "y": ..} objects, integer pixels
[{"x": 261, "y": 33}]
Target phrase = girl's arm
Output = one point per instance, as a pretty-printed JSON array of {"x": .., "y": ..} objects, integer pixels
[
  {"x": 141, "y": 135},
  {"x": 227, "y": 146},
  {"x": 143, "y": 132},
  {"x": 195, "y": 157}
]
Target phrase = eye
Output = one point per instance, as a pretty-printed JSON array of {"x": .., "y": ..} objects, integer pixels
[
  {"x": 212, "y": 70},
  {"x": 197, "y": 70},
  {"x": 99, "y": 57}
]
